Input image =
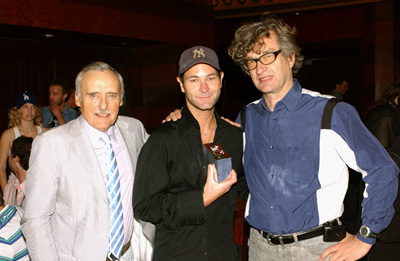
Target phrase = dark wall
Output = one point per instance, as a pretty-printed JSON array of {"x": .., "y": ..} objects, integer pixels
[
  {"x": 141, "y": 39},
  {"x": 176, "y": 21},
  {"x": 144, "y": 42},
  {"x": 31, "y": 66}
]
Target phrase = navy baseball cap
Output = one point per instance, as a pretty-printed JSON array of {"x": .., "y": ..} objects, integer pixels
[
  {"x": 26, "y": 97},
  {"x": 196, "y": 55}
]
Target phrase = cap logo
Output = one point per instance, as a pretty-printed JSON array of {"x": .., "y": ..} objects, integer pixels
[
  {"x": 198, "y": 53},
  {"x": 26, "y": 97}
]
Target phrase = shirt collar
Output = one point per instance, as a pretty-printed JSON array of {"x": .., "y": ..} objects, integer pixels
[
  {"x": 94, "y": 134},
  {"x": 22, "y": 185},
  {"x": 16, "y": 183},
  {"x": 66, "y": 108},
  {"x": 188, "y": 120},
  {"x": 290, "y": 100}
]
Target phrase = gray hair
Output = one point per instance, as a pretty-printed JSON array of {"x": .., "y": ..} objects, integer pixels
[{"x": 96, "y": 66}]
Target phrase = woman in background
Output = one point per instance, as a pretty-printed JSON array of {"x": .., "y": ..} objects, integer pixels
[{"x": 25, "y": 120}]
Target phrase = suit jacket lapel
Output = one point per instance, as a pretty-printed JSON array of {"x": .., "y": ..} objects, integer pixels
[
  {"x": 129, "y": 144},
  {"x": 81, "y": 147},
  {"x": 133, "y": 147}
]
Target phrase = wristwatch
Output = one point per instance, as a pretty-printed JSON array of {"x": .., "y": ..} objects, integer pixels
[{"x": 366, "y": 232}]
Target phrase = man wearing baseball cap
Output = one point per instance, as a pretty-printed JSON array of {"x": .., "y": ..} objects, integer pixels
[{"x": 177, "y": 187}]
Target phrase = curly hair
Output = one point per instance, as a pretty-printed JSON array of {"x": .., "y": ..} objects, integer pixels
[
  {"x": 250, "y": 35},
  {"x": 390, "y": 94},
  {"x": 14, "y": 114}
]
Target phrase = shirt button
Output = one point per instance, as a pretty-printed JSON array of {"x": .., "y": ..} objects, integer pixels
[
  {"x": 105, "y": 236},
  {"x": 272, "y": 206},
  {"x": 274, "y": 118},
  {"x": 271, "y": 147},
  {"x": 205, "y": 253}
]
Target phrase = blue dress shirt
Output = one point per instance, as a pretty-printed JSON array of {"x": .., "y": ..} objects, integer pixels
[
  {"x": 68, "y": 115},
  {"x": 297, "y": 173}
]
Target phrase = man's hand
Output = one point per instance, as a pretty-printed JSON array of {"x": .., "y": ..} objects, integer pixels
[
  {"x": 212, "y": 189},
  {"x": 231, "y": 122},
  {"x": 56, "y": 111},
  {"x": 349, "y": 249},
  {"x": 174, "y": 116},
  {"x": 177, "y": 114}
]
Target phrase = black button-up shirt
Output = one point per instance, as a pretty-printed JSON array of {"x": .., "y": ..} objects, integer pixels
[{"x": 168, "y": 191}]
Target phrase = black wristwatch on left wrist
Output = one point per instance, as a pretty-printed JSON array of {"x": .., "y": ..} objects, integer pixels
[{"x": 366, "y": 232}]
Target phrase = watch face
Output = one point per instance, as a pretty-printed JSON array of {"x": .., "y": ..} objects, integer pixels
[{"x": 364, "y": 231}]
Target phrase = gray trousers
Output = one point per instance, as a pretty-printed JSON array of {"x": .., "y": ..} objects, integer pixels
[{"x": 309, "y": 249}]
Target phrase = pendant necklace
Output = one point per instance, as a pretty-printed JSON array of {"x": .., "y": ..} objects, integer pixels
[{"x": 208, "y": 133}]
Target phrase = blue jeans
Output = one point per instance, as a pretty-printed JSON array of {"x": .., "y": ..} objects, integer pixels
[{"x": 309, "y": 249}]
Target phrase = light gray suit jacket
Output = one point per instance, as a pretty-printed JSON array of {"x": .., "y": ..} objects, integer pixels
[{"x": 66, "y": 209}]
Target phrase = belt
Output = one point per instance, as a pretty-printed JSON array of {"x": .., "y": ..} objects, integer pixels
[
  {"x": 290, "y": 238},
  {"x": 124, "y": 249}
]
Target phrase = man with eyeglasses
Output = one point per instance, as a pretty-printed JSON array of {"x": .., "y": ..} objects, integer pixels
[{"x": 297, "y": 171}]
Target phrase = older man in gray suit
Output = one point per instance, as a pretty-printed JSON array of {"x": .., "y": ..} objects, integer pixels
[{"x": 79, "y": 184}]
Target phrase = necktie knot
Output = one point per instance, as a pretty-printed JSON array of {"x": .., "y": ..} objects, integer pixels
[{"x": 105, "y": 138}]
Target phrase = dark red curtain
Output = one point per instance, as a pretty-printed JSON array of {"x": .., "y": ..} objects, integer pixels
[{"x": 19, "y": 74}]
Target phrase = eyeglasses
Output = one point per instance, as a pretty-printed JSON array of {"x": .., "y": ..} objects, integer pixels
[{"x": 265, "y": 59}]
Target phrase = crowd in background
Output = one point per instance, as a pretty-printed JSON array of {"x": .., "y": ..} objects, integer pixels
[{"x": 286, "y": 213}]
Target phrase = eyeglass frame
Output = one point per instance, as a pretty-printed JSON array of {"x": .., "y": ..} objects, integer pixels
[{"x": 276, "y": 53}]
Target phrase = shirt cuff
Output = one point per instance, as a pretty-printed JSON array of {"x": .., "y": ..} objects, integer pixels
[
  {"x": 368, "y": 240},
  {"x": 190, "y": 207}
]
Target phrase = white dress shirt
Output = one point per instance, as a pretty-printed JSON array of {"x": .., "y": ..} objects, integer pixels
[{"x": 124, "y": 169}]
